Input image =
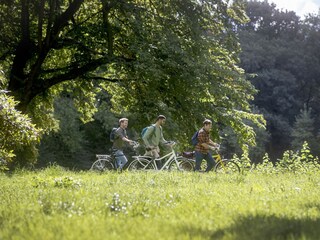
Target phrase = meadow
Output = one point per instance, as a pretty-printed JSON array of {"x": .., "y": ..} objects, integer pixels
[{"x": 54, "y": 203}]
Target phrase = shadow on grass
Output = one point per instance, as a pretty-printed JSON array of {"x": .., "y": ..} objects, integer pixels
[{"x": 261, "y": 227}]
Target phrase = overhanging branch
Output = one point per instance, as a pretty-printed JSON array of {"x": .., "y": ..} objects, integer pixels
[
  {"x": 75, "y": 72},
  {"x": 80, "y": 71},
  {"x": 102, "y": 78}
]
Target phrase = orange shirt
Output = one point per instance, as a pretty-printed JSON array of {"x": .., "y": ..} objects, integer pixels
[{"x": 203, "y": 137}]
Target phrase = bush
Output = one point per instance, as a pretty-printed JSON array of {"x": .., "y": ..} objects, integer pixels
[{"x": 17, "y": 133}]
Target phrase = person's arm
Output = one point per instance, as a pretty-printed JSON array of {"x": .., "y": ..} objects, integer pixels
[
  {"x": 212, "y": 143},
  {"x": 121, "y": 134},
  {"x": 162, "y": 140},
  {"x": 126, "y": 139},
  {"x": 213, "y": 146}
]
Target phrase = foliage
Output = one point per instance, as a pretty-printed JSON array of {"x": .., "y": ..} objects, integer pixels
[
  {"x": 16, "y": 133},
  {"x": 74, "y": 144},
  {"x": 280, "y": 51},
  {"x": 266, "y": 167},
  {"x": 188, "y": 78},
  {"x": 231, "y": 144},
  {"x": 244, "y": 161},
  {"x": 180, "y": 59},
  {"x": 300, "y": 161},
  {"x": 303, "y": 130}
]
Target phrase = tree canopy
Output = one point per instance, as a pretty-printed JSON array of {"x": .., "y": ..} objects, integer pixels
[{"x": 174, "y": 57}]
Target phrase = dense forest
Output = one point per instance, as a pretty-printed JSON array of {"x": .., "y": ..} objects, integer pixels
[
  {"x": 252, "y": 69},
  {"x": 281, "y": 53}
]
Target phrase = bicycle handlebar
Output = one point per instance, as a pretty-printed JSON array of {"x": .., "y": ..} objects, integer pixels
[
  {"x": 215, "y": 148},
  {"x": 134, "y": 144},
  {"x": 171, "y": 143}
]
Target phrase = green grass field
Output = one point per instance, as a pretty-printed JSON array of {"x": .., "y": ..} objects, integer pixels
[{"x": 58, "y": 204}]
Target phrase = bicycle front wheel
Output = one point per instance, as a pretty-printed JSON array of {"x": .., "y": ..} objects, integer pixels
[
  {"x": 182, "y": 164},
  {"x": 102, "y": 165},
  {"x": 141, "y": 164},
  {"x": 227, "y": 166}
]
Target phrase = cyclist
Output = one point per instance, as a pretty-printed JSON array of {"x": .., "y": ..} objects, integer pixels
[
  {"x": 153, "y": 137},
  {"x": 204, "y": 145},
  {"x": 120, "y": 140}
]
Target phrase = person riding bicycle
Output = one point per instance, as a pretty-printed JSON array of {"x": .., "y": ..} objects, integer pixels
[
  {"x": 153, "y": 137},
  {"x": 204, "y": 145},
  {"x": 120, "y": 140}
]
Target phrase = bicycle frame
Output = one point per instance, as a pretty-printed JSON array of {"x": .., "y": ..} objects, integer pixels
[
  {"x": 217, "y": 157},
  {"x": 224, "y": 163},
  {"x": 171, "y": 156},
  {"x": 220, "y": 163},
  {"x": 102, "y": 159}
]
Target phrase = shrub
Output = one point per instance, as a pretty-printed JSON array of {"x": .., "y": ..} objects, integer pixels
[{"x": 17, "y": 132}]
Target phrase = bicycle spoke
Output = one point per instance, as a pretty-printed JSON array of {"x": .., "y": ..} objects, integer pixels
[
  {"x": 173, "y": 166},
  {"x": 141, "y": 164},
  {"x": 102, "y": 165},
  {"x": 227, "y": 166},
  {"x": 186, "y": 166},
  {"x": 183, "y": 164}
]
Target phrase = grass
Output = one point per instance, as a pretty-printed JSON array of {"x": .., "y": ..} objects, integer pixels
[{"x": 59, "y": 204}]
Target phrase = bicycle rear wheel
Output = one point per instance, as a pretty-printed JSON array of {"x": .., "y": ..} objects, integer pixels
[
  {"x": 227, "y": 166},
  {"x": 184, "y": 164},
  {"x": 141, "y": 164},
  {"x": 102, "y": 165}
]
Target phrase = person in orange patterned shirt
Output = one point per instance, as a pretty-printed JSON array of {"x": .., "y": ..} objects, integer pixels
[{"x": 204, "y": 145}]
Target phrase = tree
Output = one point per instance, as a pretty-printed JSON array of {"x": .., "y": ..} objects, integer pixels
[
  {"x": 303, "y": 130},
  {"x": 281, "y": 53},
  {"x": 74, "y": 144},
  {"x": 178, "y": 57}
]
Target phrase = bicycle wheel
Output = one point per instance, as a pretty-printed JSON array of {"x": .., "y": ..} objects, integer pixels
[
  {"x": 102, "y": 165},
  {"x": 141, "y": 164},
  {"x": 184, "y": 164},
  {"x": 227, "y": 166}
]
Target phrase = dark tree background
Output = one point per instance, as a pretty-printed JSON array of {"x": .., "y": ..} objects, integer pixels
[{"x": 282, "y": 51}]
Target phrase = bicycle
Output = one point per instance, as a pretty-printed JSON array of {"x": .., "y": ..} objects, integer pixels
[
  {"x": 221, "y": 165},
  {"x": 172, "y": 162},
  {"x": 107, "y": 162}
]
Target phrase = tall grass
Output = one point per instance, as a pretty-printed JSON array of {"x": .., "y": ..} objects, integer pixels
[{"x": 59, "y": 204}]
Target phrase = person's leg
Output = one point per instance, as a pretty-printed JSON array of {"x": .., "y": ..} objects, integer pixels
[
  {"x": 156, "y": 154},
  {"x": 124, "y": 160},
  {"x": 121, "y": 159},
  {"x": 210, "y": 162},
  {"x": 199, "y": 157}
]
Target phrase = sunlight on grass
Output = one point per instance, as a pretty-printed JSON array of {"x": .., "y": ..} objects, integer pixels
[{"x": 60, "y": 204}]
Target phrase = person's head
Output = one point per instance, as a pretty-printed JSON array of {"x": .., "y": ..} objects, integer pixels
[
  {"x": 161, "y": 119},
  {"x": 123, "y": 122},
  {"x": 207, "y": 124}
]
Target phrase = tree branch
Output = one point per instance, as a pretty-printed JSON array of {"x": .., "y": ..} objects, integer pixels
[
  {"x": 74, "y": 73},
  {"x": 52, "y": 34},
  {"x": 40, "y": 23},
  {"x": 102, "y": 78}
]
